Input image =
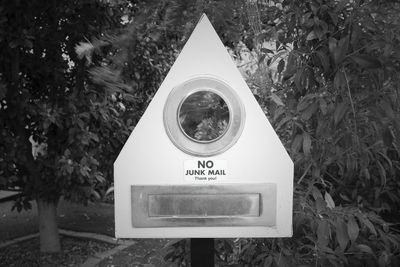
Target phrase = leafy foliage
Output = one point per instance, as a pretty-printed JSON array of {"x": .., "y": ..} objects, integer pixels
[
  {"x": 56, "y": 127},
  {"x": 177, "y": 252},
  {"x": 330, "y": 89},
  {"x": 339, "y": 121}
]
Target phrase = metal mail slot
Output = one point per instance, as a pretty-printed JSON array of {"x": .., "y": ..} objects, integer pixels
[{"x": 204, "y": 205}]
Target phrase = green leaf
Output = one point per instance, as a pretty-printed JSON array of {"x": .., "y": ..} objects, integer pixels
[
  {"x": 366, "y": 173},
  {"x": 338, "y": 48},
  {"x": 155, "y": 35},
  {"x": 314, "y": 8},
  {"x": 268, "y": 261},
  {"x": 388, "y": 160},
  {"x": 299, "y": 78},
  {"x": 281, "y": 260},
  {"x": 341, "y": 5},
  {"x": 324, "y": 58},
  {"x": 262, "y": 58},
  {"x": 339, "y": 82},
  {"x": 332, "y": 44},
  {"x": 342, "y": 49},
  {"x": 307, "y": 114},
  {"x": 95, "y": 194},
  {"x": 366, "y": 61},
  {"x": 387, "y": 136},
  {"x": 276, "y": 99},
  {"x": 323, "y": 233},
  {"x": 281, "y": 65},
  {"x": 109, "y": 191},
  {"x": 355, "y": 34},
  {"x": 333, "y": 17},
  {"x": 341, "y": 233},
  {"x": 316, "y": 193},
  {"x": 384, "y": 259},
  {"x": 340, "y": 111},
  {"x": 260, "y": 257},
  {"x": 297, "y": 143},
  {"x": 283, "y": 122},
  {"x": 306, "y": 143},
  {"x": 387, "y": 108},
  {"x": 94, "y": 137},
  {"x": 100, "y": 178},
  {"x": 304, "y": 103},
  {"x": 368, "y": 224},
  {"x": 320, "y": 205},
  {"x": 84, "y": 170},
  {"x": 173, "y": 242},
  {"x": 311, "y": 36},
  {"x": 352, "y": 228},
  {"x": 266, "y": 50},
  {"x": 323, "y": 106},
  {"x": 382, "y": 173},
  {"x": 277, "y": 44},
  {"x": 291, "y": 66},
  {"x": 329, "y": 201},
  {"x": 365, "y": 249},
  {"x": 278, "y": 112}
]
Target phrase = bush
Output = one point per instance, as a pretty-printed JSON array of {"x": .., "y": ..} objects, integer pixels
[{"x": 334, "y": 101}]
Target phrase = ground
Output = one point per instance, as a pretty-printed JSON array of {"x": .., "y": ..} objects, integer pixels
[
  {"x": 75, "y": 252},
  {"x": 93, "y": 218}
]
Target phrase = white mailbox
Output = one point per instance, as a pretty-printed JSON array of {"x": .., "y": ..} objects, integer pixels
[{"x": 203, "y": 161}]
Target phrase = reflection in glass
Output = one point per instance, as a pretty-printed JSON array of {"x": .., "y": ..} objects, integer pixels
[{"x": 204, "y": 116}]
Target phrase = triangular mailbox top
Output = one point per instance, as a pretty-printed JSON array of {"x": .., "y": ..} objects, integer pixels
[{"x": 158, "y": 171}]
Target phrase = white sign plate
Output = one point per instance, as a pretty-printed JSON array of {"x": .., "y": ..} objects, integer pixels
[{"x": 205, "y": 170}]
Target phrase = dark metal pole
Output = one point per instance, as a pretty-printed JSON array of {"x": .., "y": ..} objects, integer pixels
[{"x": 202, "y": 252}]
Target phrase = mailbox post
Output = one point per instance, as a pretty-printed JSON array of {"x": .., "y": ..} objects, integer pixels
[
  {"x": 203, "y": 161},
  {"x": 202, "y": 252}
]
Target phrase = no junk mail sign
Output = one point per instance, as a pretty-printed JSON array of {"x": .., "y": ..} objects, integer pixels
[{"x": 203, "y": 161}]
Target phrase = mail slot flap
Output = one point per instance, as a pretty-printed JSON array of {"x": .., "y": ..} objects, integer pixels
[{"x": 204, "y": 205}]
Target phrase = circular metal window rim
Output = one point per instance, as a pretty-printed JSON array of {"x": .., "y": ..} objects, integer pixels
[{"x": 200, "y": 148}]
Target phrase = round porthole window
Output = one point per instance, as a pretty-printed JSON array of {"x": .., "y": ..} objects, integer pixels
[{"x": 203, "y": 116}]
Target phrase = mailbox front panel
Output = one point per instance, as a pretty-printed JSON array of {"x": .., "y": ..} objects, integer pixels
[
  {"x": 204, "y": 205},
  {"x": 175, "y": 179}
]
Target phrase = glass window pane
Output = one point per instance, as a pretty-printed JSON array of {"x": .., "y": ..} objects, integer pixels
[{"x": 204, "y": 116}]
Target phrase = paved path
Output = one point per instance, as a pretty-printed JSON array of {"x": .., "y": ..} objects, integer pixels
[
  {"x": 145, "y": 253},
  {"x": 7, "y": 194}
]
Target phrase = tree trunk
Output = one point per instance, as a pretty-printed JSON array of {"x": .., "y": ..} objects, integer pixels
[{"x": 48, "y": 229}]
